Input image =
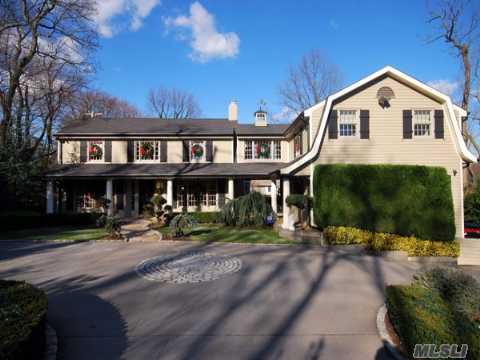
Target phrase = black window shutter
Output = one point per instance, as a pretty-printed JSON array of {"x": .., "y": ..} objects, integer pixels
[
  {"x": 108, "y": 151},
  {"x": 130, "y": 151},
  {"x": 163, "y": 151},
  {"x": 83, "y": 151},
  {"x": 407, "y": 124},
  {"x": 186, "y": 152},
  {"x": 364, "y": 124},
  {"x": 332, "y": 125},
  {"x": 439, "y": 127},
  {"x": 209, "y": 146}
]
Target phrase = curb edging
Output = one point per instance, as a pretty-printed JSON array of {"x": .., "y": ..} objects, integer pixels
[
  {"x": 382, "y": 331},
  {"x": 51, "y": 343}
]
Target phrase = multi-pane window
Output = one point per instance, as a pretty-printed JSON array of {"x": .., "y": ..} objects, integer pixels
[
  {"x": 347, "y": 123},
  {"x": 96, "y": 150},
  {"x": 197, "y": 150},
  {"x": 422, "y": 122},
  {"x": 191, "y": 199},
  {"x": 147, "y": 150},
  {"x": 263, "y": 149},
  {"x": 248, "y": 150}
]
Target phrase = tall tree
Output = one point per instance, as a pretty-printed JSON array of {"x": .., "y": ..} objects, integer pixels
[
  {"x": 173, "y": 104},
  {"x": 309, "y": 82},
  {"x": 100, "y": 102},
  {"x": 44, "y": 44},
  {"x": 457, "y": 22}
]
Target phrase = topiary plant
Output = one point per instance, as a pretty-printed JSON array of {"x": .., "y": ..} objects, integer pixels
[
  {"x": 181, "y": 222},
  {"x": 304, "y": 204}
]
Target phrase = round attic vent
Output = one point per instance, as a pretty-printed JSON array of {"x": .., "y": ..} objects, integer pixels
[{"x": 384, "y": 95}]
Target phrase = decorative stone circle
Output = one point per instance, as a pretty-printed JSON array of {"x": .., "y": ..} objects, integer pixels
[{"x": 189, "y": 267}]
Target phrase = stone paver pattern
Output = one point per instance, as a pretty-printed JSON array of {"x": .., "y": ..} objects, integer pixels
[{"x": 284, "y": 302}]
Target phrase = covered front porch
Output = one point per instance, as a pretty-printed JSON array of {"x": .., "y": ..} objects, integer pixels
[{"x": 125, "y": 197}]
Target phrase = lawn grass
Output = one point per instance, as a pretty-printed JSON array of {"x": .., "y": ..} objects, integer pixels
[
  {"x": 56, "y": 233},
  {"x": 231, "y": 234}
]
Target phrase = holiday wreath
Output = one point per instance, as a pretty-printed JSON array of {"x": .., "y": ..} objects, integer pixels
[
  {"x": 262, "y": 150},
  {"x": 197, "y": 151},
  {"x": 146, "y": 150},
  {"x": 95, "y": 152}
]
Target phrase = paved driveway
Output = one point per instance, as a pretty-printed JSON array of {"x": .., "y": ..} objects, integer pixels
[{"x": 285, "y": 302}]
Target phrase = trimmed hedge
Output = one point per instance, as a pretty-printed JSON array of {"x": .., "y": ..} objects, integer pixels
[
  {"x": 424, "y": 313},
  {"x": 377, "y": 242},
  {"x": 299, "y": 200},
  {"x": 10, "y": 222},
  {"x": 23, "y": 309},
  {"x": 397, "y": 199}
]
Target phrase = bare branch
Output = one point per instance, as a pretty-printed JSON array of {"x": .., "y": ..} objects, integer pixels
[{"x": 172, "y": 104}]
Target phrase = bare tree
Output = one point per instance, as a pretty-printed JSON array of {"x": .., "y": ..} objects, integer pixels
[
  {"x": 458, "y": 24},
  {"x": 309, "y": 82},
  {"x": 57, "y": 34},
  {"x": 95, "y": 101},
  {"x": 173, "y": 104}
]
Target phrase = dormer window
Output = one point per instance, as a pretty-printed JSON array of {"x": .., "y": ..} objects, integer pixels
[{"x": 96, "y": 150}]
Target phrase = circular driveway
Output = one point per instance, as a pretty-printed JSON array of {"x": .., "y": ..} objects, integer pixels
[{"x": 283, "y": 302}]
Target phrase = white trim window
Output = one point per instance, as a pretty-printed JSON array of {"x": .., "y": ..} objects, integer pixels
[
  {"x": 347, "y": 123},
  {"x": 147, "y": 150},
  {"x": 96, "y": 151},
  {"x": 198, "y": 150},
  {"x": 262, "y": 149},
  {"x": 422, "y": 123}
]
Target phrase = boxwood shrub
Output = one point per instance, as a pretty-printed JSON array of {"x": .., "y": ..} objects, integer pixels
[
  {"x": 23, "y": 309},
  {"x": 377, "y": 242},
  {"x": 398, "y": 199},
  {"x": 11, "y": 222}
]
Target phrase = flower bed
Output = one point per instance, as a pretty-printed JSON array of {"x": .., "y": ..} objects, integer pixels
[{"x": 377, "y": 242}]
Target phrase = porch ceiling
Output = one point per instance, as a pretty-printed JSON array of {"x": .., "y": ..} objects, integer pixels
[{"x": 164, "y": 170}]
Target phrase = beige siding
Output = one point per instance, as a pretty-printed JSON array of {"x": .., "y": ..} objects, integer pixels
[
  {"x": 71, "y": 152},
  {"x": 119, "y": 152},
  {"x": 222, "y": 151},
  {"x": 386, "y": 143},
  {"x": 175, "y": 151}
]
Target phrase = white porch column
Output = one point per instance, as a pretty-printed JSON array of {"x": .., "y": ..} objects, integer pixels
[
  {"x": 287, "y": 216},
  {"x": 109, "y": 196},
  {"x": 170, "y": 192},
  {"x": 50, "y": 197},
  {"x": 231, "y": 189},
  {"x": 274, "y": 196},
  {"x": 136, "y": 198},
  {"x": 128, "y": 198}
]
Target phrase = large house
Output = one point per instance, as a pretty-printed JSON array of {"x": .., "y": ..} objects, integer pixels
[{"x": 198, "y": 164}]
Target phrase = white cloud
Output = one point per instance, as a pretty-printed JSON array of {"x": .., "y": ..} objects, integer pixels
[
  {"x": 113, "y": 15},
  {"x": 284, "y": 114},
  {"x": 445, "y": 86},
  {"x": 205, "y": 40}
]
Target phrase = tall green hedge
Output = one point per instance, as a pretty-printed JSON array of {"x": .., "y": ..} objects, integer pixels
[{"x": 399, "y": 199}]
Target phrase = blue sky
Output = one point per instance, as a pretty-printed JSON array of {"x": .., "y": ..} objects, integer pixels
[{"x": 220, "y": 50}]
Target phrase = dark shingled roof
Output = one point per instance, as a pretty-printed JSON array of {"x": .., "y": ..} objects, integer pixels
[
  {"x": 166, "y": 127},
  {"x": 270, "y": 129},
  {"x": 164, "y": 170},
  {"x": 147, "y": 126}
]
